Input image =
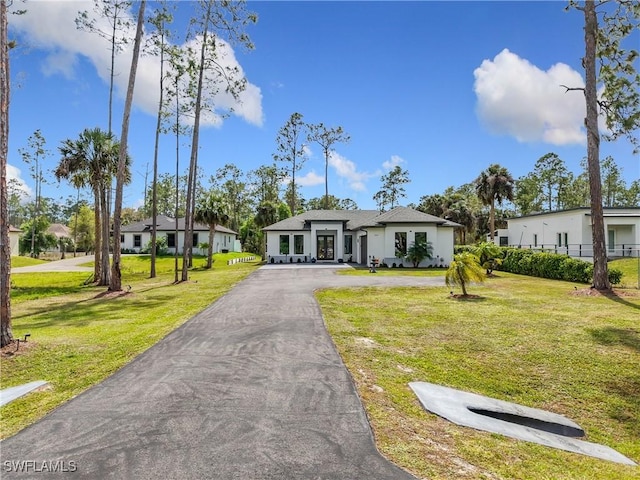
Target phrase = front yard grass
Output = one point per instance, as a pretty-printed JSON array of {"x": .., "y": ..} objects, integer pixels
[
  {"x": 629, "y": 268},
  {"x": 80, "y": 336},
  {"x": 20, "y": 261},
  {"x": 407, "y": 271},
  {"x": 537, "y": 342}
]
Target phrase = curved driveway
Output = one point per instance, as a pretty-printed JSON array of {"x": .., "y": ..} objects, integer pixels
[
  {"x": 69, "y": 264},
  {"x": 250, "y": 388}
]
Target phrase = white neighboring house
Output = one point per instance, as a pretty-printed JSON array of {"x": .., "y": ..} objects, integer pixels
[
  {"x": 358, "y": 236},
  {"x": 136, "y": 236},
  {"x": 569, "y": 232},
  {"x": 14, "y": 240}
]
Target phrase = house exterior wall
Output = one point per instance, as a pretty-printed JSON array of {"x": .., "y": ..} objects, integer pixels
[
  {"x": 569, "y": 232},
  {"x": 273, "y": 247},
  {"x": 14, "y": 239},
  {"x": 221, "y": 240}
]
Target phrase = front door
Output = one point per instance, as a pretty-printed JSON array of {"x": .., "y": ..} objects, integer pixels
[{"x": 325, "y": 247}]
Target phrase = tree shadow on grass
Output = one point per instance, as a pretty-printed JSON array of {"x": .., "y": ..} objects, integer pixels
[
  {"x": 618, "y": 298},
  {"x": 468, "y": 298},
  {"x": 629, "y": 337}
]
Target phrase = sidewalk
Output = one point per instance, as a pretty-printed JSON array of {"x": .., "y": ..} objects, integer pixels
[{"x": 251, "y": 388}]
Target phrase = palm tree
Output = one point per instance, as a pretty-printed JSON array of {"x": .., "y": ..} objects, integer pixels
[
  {"x": 489, "y": 255},
  {"x": 418, "y": 251},
  {"x": 91, "y": 161},
  {"x": 494, "y": 184},
  {"x": 464, "y": 269},
  {"x": 211, "y": 211}
]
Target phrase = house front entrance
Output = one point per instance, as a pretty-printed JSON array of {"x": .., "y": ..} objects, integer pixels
[{"x": 325, "y": 247}]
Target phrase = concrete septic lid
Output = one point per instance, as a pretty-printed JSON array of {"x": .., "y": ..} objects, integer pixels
[{"x": 510, "y": 419}]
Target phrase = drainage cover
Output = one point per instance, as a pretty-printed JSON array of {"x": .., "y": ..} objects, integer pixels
[{"x": 510, "y": 419}]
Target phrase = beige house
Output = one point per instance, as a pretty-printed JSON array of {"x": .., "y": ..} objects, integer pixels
[{"x": 14, "y": 239}]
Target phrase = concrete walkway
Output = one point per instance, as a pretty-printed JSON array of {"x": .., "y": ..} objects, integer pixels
[{"x": 251, "y": 388}]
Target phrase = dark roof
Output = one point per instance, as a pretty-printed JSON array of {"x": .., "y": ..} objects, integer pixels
[
  {"x": 358, "y": 219},
  {"x": 168, "y": 224}
]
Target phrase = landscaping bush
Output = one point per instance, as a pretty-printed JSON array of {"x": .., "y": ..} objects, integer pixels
[
  {"x": 615, "y": 276},
  {"x": 546, "y": 265},
  {"x": 551, "y": 265}
]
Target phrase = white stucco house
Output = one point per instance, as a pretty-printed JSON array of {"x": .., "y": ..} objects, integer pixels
[
  {"x": 358, "y": 236},
  {"x": 136, "y": 236},
  {"x": 569, "y": 232},
  {"x": 14, "y": 239}
]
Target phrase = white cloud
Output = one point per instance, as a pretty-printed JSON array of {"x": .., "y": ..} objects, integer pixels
[
  {"x": 50, "y": 26},
  {"x": 394, "y": 161},
  {"x": 347, "y": 169},
  {"x": 310, "y": 179},
  {"x": 15, "y": 173},
  {"x": 519, "y": 99}
]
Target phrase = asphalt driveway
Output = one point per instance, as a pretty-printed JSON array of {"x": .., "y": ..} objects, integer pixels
[{"x": 250, "y": 388}]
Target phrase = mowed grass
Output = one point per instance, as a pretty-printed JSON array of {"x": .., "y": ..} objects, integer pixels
[
  {"x": 629, "y": 268},
  {"x": 19, "y": 261},
  {"x": 418, "y": 272},
  {"x": 79, "y": 335},
  {"x": 536, "y": 342}
]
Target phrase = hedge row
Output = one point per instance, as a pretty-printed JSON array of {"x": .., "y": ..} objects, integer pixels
[{"x": 548, "y": 265}]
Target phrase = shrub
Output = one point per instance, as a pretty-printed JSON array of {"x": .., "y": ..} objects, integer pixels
[{"x": 615, "y": 276}]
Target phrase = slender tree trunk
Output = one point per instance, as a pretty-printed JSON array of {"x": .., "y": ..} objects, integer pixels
[
  {"x": 212, "y": 232},
  {"x": 326, "y": 180},
  {"x": 154, "y": 193},
  {"x": 116, "y": 276},
  {"x": 177, "y": 181},
  {"x": 105, "y": 270},
  {"x": 97, "y": 232},
  {"x": 193, "y": 164},
  {"x": 6, "y": 334},
  {"x": 600, "y": 273},
  {"x": 75, "y": 225},
  {"x": 492, "y": 218}
]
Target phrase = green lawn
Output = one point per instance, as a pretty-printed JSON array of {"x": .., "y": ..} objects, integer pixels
[
  {"x": 418, "y": 272},
  {"x": 537, "y": 342},
  {"x": 629, "y": 268},
  {"x": 79, "y": 336},
  {"x": 18, "y": 261}
]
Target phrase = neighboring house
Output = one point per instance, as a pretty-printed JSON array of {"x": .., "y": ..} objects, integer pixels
[
  {"x": 569, "y": 232},
  {"x": 136, "y": 236},
  {"x": 358, "y": 236},
  {"x": 60, "y": 231},
  {"x": 14, "y": 239}
]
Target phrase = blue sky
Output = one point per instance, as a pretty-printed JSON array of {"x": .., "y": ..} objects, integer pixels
[{"x": 441, "y": 88}]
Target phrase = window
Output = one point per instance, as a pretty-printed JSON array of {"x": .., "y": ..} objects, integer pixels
[
  {"x": 284, "y": 244},
  {"x": 421, "y": 237},
  {"x": 559, "y": 242},
  {"x": 504, "y": 241},
  {"x": 566, "y": 239},
  {"x": 348, "y": 244},
  {"x": 535, "y": 239},
  {"x": 122, "y": 238},
  {"x": 171, "y": 240},
  {"x": 298, "y": 244},
  {"x": 195, "y": 240},
  {"x": 224, "y": 240},
  {"x": 401, "y": 244},
  {"x": 137, "y": 241}
]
